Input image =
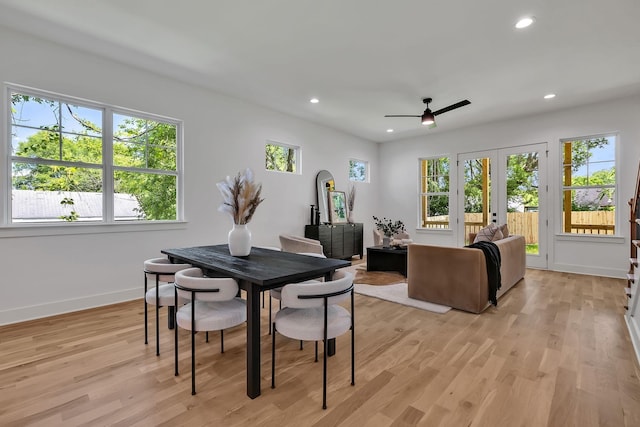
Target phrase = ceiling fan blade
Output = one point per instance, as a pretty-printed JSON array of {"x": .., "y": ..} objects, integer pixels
[
  {"x": 452, "y": 107},
  {"x": 399, "y": 115}
]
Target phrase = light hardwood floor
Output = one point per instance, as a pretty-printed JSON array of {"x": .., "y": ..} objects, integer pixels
[{"x": 555, "y": 352}]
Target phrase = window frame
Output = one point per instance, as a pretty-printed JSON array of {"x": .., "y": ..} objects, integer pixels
[
  {"x": 615, "y": 187},
  {"x": 297, "y": 157},
  {"x": 366, "y": 170},
  {"x": 107, "y": 168},
  {"x": 423, "y": 196}
]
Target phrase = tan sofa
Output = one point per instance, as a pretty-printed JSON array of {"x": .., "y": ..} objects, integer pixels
[{"x": 457, "y": 277}]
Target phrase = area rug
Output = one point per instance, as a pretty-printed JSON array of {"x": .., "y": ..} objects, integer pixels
[
  {"x": 398, "y": 293},
  {"x": 378, "y": 278}
]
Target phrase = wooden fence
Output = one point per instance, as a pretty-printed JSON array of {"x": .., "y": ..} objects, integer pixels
[{"x": 526, "y": 223}]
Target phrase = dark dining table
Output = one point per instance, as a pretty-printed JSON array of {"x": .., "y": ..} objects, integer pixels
[{"x": 261, "y": 270}]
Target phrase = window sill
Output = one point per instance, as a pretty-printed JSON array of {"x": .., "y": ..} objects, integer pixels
[
  {"x": 594, "y": 238},
  {"x": 36, "y": 230},
  {"x": 433, "y": 230}
]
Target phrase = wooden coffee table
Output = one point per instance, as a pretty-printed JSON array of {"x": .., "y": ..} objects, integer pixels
[{"x": 387, "y": 259}]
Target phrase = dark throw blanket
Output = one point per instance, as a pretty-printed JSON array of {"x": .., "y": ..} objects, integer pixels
[{"x": 492, "y": 258}]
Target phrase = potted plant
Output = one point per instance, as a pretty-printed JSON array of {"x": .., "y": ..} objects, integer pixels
[
  {"x": 241, "y": 198},
  {"x": 388, "y": 228}
]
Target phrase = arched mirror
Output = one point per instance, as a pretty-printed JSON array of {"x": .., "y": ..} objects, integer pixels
[{"x": 325, "y": 183}]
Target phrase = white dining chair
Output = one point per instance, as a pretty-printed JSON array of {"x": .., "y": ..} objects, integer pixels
[
  {"x": 275, "y": 293},
  {"x": 162, "y": 272},
  {"x": 312, "y": 313},
  {"x": 212, "y": 306}
]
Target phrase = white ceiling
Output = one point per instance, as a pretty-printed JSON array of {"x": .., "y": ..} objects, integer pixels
[{"x": 364, "y": 58}]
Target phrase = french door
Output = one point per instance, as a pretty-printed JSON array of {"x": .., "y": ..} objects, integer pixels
[{"x": 506, "y": 186}]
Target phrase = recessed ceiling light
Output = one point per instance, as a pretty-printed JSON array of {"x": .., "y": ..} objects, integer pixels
[
  {"x": 314, "y": 100},
  {"x": 550, "y": 95},
  {"x": 389, "y": 130},
  {"x": 525, "y": 22}
]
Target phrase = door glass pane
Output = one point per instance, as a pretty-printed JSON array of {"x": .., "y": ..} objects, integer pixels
[
  {"x": 522, "y": 197},
  {"x": 477, "y": 195}
]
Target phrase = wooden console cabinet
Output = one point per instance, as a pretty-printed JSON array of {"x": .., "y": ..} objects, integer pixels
[{"x": 341, "y": 241}]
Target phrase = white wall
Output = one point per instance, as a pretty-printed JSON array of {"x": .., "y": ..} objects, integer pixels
[
  {"x": 608, "y": 257},
  {"x": 49, "y": 274}
]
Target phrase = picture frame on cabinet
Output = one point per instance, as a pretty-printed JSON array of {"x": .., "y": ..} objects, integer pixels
[{"x": 338, "y": 210}]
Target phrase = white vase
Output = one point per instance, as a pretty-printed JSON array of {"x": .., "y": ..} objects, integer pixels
[
  {"x": 386, "y": 241},
  {"x": 239, "y": 240}
]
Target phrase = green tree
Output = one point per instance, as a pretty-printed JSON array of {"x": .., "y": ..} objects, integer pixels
[
  {"x": 280, "y": 158},
  {"x": 138, "y": 143},
  {"x": 46, "y": 144},
  {"x": 438, "y": 182},
  {"x": 357, "y": 171},
  {"x": 150, "y": 145}
]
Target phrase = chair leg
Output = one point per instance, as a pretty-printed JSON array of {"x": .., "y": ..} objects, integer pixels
[
  {"x": 316, "y": 351},
  {"x": 146, "y": 316},
  {"x": 353, "y": 343},
  {"x": 175, "y": 341},
  {"x": 324, "y": 376},
  {"x": 206, "y": 336},
  {"x": 193, "y": 343},
  {"x": 301, "y": 345},
  {"x": 221, "y": 341},
  {"x": 193, "y": 362},
  {"x": 157, "y": 315},
  {"x": 270, "y": 313},
  {"x": 273, "y": 357}
]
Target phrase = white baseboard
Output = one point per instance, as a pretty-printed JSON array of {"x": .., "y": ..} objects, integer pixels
[
  {"x": 634, "y": 332},
  {"x": 32, "y": 312},
  {"x": 591, "y": 271}
]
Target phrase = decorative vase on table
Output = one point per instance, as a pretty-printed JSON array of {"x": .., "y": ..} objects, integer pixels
[
  {"x": 241, "y": 198},
  {"x": 386, "y": 241},
  {"x": 240, "y": 240}
]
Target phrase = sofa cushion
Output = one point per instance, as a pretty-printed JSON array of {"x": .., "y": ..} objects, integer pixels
[
  {"x": 504, "y": 228},
  {"x": 490, "y": 233}
]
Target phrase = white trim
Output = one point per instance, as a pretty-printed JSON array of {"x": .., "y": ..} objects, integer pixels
[
  {"x": 22, "y": 314},
  {"x": 590, "y": 271},
  {"x": 297, "y": 156},
  {"x": 106, "y": 166},
  {"x": 5, "y": 150},
  {"x": 559, "y": 211},
  {"x": 452, "y": 210},
  {"x": 75, "y": 228},
  {"x": 634, "y": 333},
  {"x": 592, "y": 238},
  {"x": 367, "y": 178}
]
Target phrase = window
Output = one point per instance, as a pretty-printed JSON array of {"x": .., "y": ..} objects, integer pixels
[
  {"x": 80, "y": 161},
  {"x": 588, "y": 185},
  {"x": 281, "y": 157},
  {"x": 434, "y": 192},
  {"x": 358, "y": 170}
]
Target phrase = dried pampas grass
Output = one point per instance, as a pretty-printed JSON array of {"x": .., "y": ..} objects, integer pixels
[{"x": 241, "y": 196}]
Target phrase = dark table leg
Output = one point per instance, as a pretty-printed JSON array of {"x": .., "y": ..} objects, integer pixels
[
  {"x": 171, "y": 320},
  {"x": 253, "y": 338},
  {"x": 331, "y": 345}
]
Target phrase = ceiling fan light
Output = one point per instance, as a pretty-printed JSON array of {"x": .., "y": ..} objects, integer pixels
[{"x": 427, "y": 118}]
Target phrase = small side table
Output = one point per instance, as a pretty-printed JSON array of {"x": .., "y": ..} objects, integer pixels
[{"x": 387, "y": 259}]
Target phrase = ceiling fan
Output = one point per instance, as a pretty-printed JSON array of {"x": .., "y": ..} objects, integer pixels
[{"x": 428, "y": 117}]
